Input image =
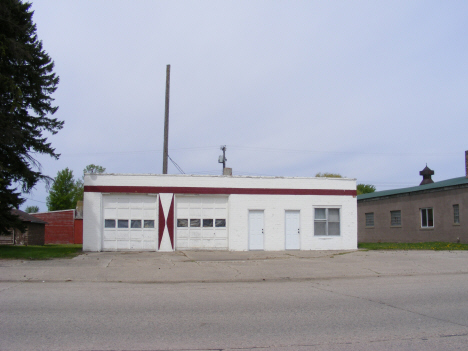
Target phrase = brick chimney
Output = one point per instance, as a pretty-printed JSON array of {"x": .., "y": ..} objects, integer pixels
[
  {"x": 466, "y": 163},
  {"x": 426, "y": 173}
]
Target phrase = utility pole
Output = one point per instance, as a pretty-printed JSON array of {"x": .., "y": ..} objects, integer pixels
[
  {"x": 222, "y": 159},
  {"x": 166, "y": 120}
]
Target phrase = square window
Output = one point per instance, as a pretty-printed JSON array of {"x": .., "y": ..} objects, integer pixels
[
  {"x": 220, "y": 223},
  {"x": 207, "y": 223},
  {"x": 456, "y": 214},
  {"x": 135, "y": 223},
  {"x": 370, "y": 219},
  {"x": 109, "y": 223},
  {"x": 327, "y": 221},
  {"x": 427, "y": 218},
  {"x": 182, "y": 223},
  {"x": 148, "y": 223},
  {"x": 122, "y": 223},
  {"x": 195, "y": 223},
  {"x": 395, "y": 218}
]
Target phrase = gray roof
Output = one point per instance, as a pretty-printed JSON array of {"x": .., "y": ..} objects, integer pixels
[
  {"x": 454, "y": 182},
  {"x": 26, "y": 217}
]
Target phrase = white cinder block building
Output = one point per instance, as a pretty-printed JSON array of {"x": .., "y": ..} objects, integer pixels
[{"x": 238, "y": 213}]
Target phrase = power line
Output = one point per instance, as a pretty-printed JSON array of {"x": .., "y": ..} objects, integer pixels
[
  {"x": 35, "y": 200},
  {"x": 263, "y": 149},
  {"x": 175, "y": 164},
  {"x": 266, "y": 149}
]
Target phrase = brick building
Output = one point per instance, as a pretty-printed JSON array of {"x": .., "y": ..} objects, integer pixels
[{"x": 432, "y": 211}]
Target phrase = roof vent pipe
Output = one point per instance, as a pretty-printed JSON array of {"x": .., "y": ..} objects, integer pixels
[{"x": 466, "y": 163}]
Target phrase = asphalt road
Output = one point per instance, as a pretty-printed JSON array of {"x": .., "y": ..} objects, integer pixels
[{"x": 416, "y": 312}]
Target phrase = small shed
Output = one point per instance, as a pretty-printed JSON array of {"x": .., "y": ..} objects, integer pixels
[{"x": 33, "y": 235}]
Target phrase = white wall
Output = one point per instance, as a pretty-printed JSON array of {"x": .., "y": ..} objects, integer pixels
[
  {"x": 92, "y": 221},
  {"x": 219, "y": 181},
  {"x": 274, "y": 207}
]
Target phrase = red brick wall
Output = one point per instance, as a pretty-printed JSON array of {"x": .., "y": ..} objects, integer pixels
[
  {"x": 60, "y": 227},
  {"x": 78, "y": 231}
]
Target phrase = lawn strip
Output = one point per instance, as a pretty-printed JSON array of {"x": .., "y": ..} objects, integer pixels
[{"x": 45, "y": 252}]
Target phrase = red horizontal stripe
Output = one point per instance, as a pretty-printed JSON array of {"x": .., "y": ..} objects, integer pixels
[{"x": 212, "y": 191}]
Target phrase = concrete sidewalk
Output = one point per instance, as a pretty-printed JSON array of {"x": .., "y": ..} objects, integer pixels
[{"x": 225, "y": 266}]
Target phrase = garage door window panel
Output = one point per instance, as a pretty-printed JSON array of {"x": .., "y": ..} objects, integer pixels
[
  {"x": 135, "y": 223},
  {"x": 148, "y": 223},
  {"x": 194, "y": 222},
  {"x": 207, "y": 223},
  {"x": 109, "y": 223},
  {"x": 122, "y": 223},
  {"x": 220, "y": 223},
  {"x": 182, "y": 223}
]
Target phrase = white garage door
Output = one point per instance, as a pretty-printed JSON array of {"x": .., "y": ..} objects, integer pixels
[
  {"x": 201, "y": 223},
  {"x": 130, "y": 222}
]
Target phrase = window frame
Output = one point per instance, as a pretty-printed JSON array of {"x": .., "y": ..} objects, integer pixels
[
  {"x": 366, "y": 219},
  {"x": 456, "y": 214},
  {"x": 326, "y": 220},
  {"x": 392, "y": 216},
  {"x": 427, "y": 218}
]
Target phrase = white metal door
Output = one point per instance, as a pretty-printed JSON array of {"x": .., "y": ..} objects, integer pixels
[
  {"x": 130, "y": 222},
  {"x": 292, "y": 230},
  {"x": 201, "y": 223},
  {"x": 256, "y": 231}
]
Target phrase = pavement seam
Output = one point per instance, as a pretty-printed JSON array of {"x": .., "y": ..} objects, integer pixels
[
  {"x": 218, "y": 281},
  {"x": 392, "y": 306}
]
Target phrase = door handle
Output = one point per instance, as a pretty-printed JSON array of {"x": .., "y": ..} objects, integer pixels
[
  {"x": 262, "y": 230},
  {"x": 298, "y": 231}
]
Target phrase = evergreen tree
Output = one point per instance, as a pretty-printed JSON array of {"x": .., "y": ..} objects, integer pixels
[
  {"x": 27, "y": 81},
  {"x": 62, "y": 194}
]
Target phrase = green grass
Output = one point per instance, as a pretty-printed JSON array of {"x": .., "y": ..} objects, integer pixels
[
  {"x": 45, "y": 252},
  {"x": 436, "y": 245}
]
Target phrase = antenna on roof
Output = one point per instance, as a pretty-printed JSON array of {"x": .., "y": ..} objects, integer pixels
[{"x": 222, "y": 158}]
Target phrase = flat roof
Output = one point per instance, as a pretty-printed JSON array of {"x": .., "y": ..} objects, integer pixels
[
  {"x": 436, "y": 185},
  {"x": 213, "y": 176}
]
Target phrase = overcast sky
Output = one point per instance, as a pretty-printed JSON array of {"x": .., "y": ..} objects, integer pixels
[{"x": 372, "y": 90}]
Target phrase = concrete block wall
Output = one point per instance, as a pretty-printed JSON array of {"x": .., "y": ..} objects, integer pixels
[{"x": 274, "y": 207}]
